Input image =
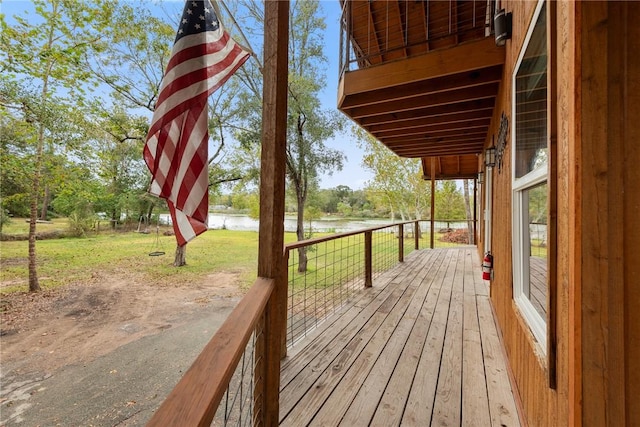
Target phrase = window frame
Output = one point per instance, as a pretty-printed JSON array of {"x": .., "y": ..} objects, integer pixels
[{"x": 540, "y": 175}]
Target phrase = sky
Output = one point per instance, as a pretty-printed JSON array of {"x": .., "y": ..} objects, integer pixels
[{"x": 353, "y": 173}]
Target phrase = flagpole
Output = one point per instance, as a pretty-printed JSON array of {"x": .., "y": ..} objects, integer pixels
[{"x": 246, "y": 41}]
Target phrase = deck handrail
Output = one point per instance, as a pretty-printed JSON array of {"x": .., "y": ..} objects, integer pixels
[
  {"x": 378, "y": 44},
  {"x": 196, "y": 397},
  {"x": 321, "y": 239}
]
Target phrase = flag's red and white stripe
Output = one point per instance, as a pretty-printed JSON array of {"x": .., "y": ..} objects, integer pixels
[{"x": 176, "y": 150}]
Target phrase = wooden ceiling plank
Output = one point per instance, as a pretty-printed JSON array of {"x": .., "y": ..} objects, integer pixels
[
  {"x": 438, "y": 84},
  {"x": 432, "y": 100},
  {"x": 444, "y": 136},
  {"x": 466, "y": 106},
  {"x": 469, "y": 145},
  {"x": 443, "y": 120},
  {"x": 468, "y": 125},
  {"x": 426, "y": 153}
]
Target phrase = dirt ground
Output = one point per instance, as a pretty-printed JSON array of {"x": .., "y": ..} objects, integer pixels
[{"x": 51, "y": 329}]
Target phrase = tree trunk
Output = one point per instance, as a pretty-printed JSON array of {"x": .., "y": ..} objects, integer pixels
[
  {"x": 34, "y": 285},
  {"x": 467, "y": 205},
  {"x": 149, "y": 212},
  {"x": 181, "y": 256}
]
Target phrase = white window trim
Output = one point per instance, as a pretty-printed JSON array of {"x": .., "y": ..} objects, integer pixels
[{"x": 536, "y": 322}]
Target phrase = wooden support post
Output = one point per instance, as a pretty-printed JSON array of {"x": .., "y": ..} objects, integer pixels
[
  {"x": 416, "y": 234},
  {"x": 368, "y": 264},
  {"x": 401, "y": 242},
  {"x": 272, "y": 180},
  {"x": 475, "y": 211},
  {"x": 433, "y": 199}
]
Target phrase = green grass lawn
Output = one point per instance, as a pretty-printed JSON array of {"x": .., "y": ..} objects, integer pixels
[
  {"x": 74, "y": 260},
  {"x": 21, "y": 226}
]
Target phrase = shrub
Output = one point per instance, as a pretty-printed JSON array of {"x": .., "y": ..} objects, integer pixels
[{"x": 456, "y": 236}]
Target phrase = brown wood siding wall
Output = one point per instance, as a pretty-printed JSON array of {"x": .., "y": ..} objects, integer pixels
[
  {"x": 609, "y": 235},
  {"x": 597, "y": 69},
  {"x": 631, "y": 131},
  {"x": 529, "y": 367}
]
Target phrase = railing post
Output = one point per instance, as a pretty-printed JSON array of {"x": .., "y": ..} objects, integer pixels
[
  {"x": 284, "y": 285},
  {"x": 368, "y": 264},
  {"x": 400, "y": 242},
  {"x": 416, "y": 234}
]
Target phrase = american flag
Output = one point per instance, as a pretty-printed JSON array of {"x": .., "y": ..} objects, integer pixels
[{"x": 204, "y": 56}]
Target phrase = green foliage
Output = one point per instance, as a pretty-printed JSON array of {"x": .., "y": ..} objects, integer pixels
[
  {"x": 397, "y": 181},
  {"x": 449, "y": 201},
  {"x": 16, "y": 204},
  {"x": 4, "y": 217},
  {"x": 81, "y": 221}
]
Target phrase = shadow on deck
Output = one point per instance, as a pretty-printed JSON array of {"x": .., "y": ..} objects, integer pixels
[{"x": 419, "y": 348}]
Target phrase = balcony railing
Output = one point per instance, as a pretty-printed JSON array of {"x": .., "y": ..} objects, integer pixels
[
  {"x": 226, "y": 384},
  {"x": 373, "y": 32}
]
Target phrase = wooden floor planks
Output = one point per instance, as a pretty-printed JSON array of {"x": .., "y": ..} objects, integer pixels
[{"x": 420, "y": 348}]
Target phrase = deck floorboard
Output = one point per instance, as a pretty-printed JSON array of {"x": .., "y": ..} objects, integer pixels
[{"x": 419, "y": 348}]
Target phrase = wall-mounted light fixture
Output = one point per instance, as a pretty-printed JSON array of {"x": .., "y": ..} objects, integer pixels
[
  {"x": 480, "y": 177},
  {"x": 490, "y": 157},
  {"x": 502, "y": 26}
]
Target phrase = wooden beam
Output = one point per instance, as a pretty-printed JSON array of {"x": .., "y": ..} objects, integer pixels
[
  {"x": 433, "y": 201},
  {"x": 482, "y": 123},
  {"x": 459, "y": 59},
  {"x": 457, "y": 107},
  {"x": 447, "y": 121},
  {"x": 272, "y": 186},
  {"x": 440, "y": 145},
  {"x": 438, "y": 137},
  {"x": 424, "y": 101},
  {"x": 434, "y": 85},
  {"x": 414, "y": 154}
]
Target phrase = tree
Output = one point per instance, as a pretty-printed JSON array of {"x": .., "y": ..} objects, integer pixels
[
  {"x": 43, "y": 59},
  {"x": 119, "y": 137},
  {"x": 449, "y": 201},
  {"x": 397, "y": 181},
  {"x": 309, "y": 126}
]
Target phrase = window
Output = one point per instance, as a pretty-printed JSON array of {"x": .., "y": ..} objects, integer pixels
[{"x": 530, "y": 176}]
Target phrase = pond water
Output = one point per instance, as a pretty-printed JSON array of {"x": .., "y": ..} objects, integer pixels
[{"x": 239, "y": 222}]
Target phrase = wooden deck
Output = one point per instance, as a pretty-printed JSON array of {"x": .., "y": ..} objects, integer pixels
[{"x": 419, "y": 348}]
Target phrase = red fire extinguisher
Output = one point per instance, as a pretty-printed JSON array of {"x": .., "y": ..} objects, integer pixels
[{"x": 487, "y": 266}]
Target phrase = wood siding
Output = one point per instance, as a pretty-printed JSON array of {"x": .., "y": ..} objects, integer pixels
[
  {"x": 609, "y": 212},
  {"x": 595, "y": 68}
]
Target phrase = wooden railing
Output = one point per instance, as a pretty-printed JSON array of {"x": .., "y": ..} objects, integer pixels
[
  {"x": 196, "y": 399},
  {"x": 441, "y": 20}
]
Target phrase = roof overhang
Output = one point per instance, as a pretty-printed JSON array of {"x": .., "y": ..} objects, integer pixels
[{"x": 436, "y": 104}]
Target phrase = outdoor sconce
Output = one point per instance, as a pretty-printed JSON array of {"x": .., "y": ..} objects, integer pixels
[
  {"x": 490, "y": 157},
  {"x": 502, "y": 26},
  {"x": 480, "y": 177}
]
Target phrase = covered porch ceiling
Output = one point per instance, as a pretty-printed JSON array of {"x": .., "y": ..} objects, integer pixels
[{"x": 422, "y": 78}]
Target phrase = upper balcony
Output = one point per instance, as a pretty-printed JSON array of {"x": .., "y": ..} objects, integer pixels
[{"x": 421, "y": 76}]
